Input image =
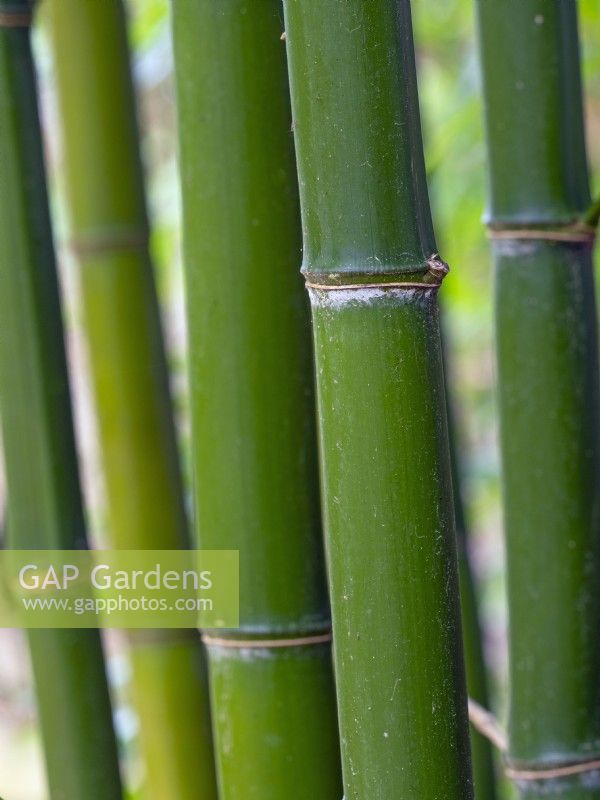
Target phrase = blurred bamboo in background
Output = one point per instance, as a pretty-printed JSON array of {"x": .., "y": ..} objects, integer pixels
[
  {"x": 547, "y": 358},
  {"x": 45, "y": 505},
  {"x": 109, "y": 237},
  {"x": 253, "y": 441}
]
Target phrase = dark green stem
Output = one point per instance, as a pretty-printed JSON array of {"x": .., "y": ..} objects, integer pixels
[
  {"x": 252, "y": 409},
  {"x": 387, "y": 490},
  {"x": 484, "y": 778},
  {"x": 546, "y": 333},
  {"x": 45, "y": 506}
]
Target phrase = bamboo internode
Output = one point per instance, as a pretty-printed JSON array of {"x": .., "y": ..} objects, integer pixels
[
  {"x": 145, "y": 496},
  {"x": 387, "y": 491},
  {"x": 549, "y": 400},
  {"x": 45, "y": 508},
  {"x": 252, "y": 406}
]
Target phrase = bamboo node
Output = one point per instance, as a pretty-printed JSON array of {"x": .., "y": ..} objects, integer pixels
[
  {"x": 438, "y": 269},
  {"x": 15, "y": 17},
  {"x": 487, "y": 725},
  {"x": 553, "y": 773},
  {"x": 110, "y": 241},
  {"x": 266, "y": 644},
  {"x": 432, "y": 279},
  {"x": 577, "y": 234}
]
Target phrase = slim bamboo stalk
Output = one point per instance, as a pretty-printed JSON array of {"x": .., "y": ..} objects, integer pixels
[
  {"x": 45, "y": 508},
  {"x": 484, "y": 778},
  {"x": 252, "y": 402},
  {"x": 546, "y": 334},
  {"x": 109, "y": 231},
  {"x": 385, "y": 463}
]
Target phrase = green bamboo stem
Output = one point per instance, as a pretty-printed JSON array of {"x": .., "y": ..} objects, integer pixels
[
  {"x": 484, "y": 778},
  {"x": 546, "y": 334},
  {"x": 109, "y": 233},
  {"x": 45, "y": 506},
  {"x": 256, "y": 486},
  {"x": 385, "y": 463}
]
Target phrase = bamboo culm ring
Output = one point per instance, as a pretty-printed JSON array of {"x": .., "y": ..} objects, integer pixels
[{"x": 487, "y": 725}]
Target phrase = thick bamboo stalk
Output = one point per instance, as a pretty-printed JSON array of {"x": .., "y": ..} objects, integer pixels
[
  {"x": 252, "y": 402},
  {"x": 546, "y": 334},
  {"x": 386, "y": 481},
  {"x": 109, "y": 232},
  {"x": 45, "y": 508}
]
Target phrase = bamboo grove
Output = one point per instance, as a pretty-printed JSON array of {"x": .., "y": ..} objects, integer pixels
[{"x": 322, "y": 440}]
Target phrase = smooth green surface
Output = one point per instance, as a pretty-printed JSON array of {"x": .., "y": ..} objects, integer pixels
[
  {"x": 252, "y": 405},
  {"x": 482, "y": 754},
  {"x": 171, "y": 691},
  {"x": 75, "y": 715},
  {"x": 289, "y": 694},
  {"x": 530, "y": 63},
  {"x": 392, "y": 562},
  {"x": 547, "y": 365},
  {"x": 548, "y": 392},
  {"x": 109, "y": 231},
  {"x": 255, "y": 466},
  {"x": 45, "y": 507},
  {"x": 386, "y": 484},
  {"x": 484, "y": 778},
  {"x": 363, "y": 127}
]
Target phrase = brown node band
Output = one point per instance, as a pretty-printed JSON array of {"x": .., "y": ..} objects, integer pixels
[
  {"x": 110, "y": 241},
  {"x": 566, "y": 771},
  {"x": 330, "y": 287},
  {"x": 266, "y": 644},
  {"x": 437, "y": 271},
  {"x": 487, "y": 725},
  {"x": 579, "y": 234}
]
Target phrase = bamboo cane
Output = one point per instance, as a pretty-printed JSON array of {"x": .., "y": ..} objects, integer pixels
[
  {"x": 109, "y": 231},
  {"x": 484, "y": 777},
  {"x": 45, "y": 508},
  {"x": 252, "y": 403},
  {"x": 546, "y": 334},
  {"x": 370, "y": 262}
]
